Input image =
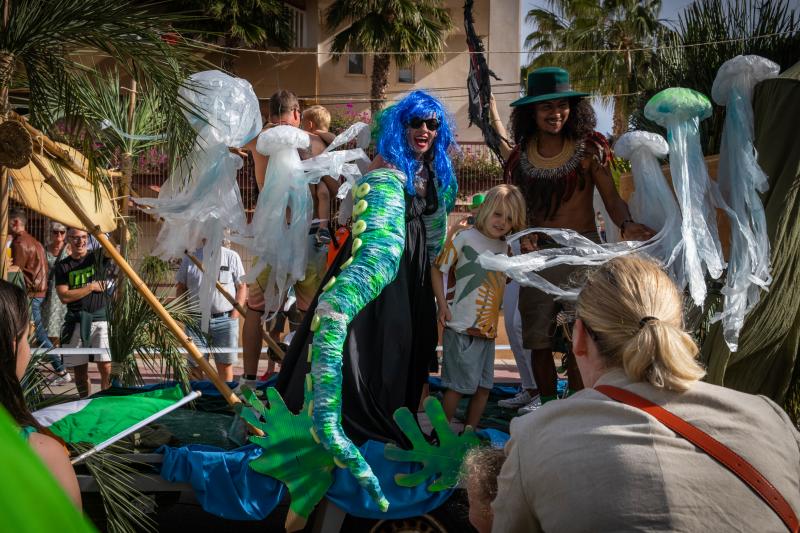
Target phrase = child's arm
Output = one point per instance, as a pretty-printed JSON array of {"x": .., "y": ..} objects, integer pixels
[
  {"x": 323, "y": 202},
  {"x": 326, "y": 136},
  {"x": 438, "y": 291}
]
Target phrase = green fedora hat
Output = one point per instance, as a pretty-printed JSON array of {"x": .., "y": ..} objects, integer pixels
[{"x": 547, "y": 83}]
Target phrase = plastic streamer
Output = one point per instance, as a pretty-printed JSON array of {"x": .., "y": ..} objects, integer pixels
[
  {"x": 680, "y": 111},
  {"x": 201, "y": 197},
  {"x": 740, "y": 182},
  {"x": 643, "y": 150},
  {"x": 379, "y": 239}
]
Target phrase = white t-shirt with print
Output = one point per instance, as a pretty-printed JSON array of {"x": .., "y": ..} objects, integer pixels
[{"x": 478, "y": 297}]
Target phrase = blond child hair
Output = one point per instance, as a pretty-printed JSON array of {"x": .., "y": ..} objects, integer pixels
[
  {"x": 479, "y": 472},
  {"x": 318, "y": 117},
  {"x": 507, "y": 199}
]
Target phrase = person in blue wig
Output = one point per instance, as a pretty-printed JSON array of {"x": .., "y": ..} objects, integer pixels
[{"x": 390, "y": 345}]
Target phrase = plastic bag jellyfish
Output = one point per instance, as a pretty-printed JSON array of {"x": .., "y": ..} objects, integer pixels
[
  {"x": 281, "y": 243},
  {"x": 283, "y": 213},
  {"x": 680, "y": 112},
  {"x": 201, "y": 198},
  {"x": 653, "y": 202},
  {"x": 740, "y": 182}
]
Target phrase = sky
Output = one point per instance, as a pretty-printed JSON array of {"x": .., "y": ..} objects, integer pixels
[{"x": 669, "y": 11}]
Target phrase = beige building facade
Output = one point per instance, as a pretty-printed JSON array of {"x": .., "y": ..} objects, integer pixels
[{"x": 344, "y": 86}]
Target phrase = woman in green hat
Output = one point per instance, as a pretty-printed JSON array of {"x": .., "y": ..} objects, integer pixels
[{"x": 557, "y": 159}]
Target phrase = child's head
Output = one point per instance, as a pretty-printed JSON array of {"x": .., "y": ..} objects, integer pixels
[
  {"x": 502, "y": 212},
  {"x": 481, "y": 467},
  {"x": 316, "y": 118}
]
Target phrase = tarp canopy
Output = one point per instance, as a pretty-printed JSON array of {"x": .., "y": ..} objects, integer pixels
[
  {"x": 28, "y": 188},
  {"x": 770, "y": 338}
]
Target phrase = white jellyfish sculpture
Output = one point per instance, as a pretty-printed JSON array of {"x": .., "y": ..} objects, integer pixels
[
  {"x": 680, "y": 111},
  {"x": 201, "y": 198},
  {"x": 740, "y": 183}
]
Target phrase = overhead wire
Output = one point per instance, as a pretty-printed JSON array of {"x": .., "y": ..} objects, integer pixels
[{"x": 489, "y": 52}]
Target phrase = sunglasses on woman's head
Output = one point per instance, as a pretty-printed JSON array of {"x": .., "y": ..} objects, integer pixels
[{"x": 417, "y": 122}]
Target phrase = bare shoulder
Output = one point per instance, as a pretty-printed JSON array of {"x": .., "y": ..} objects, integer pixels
[
  {"x": 55, "y": 458},
  {"x": 317, "y": 144}
]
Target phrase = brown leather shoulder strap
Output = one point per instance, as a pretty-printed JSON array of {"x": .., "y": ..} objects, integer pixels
[{"x": 724, "y": 455}]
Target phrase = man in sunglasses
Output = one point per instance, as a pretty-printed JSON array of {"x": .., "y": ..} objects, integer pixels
[{"x": 82, "y": 282}]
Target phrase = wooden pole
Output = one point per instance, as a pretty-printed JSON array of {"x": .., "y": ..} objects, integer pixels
[
  {"x": 279, "y": 354},
  {"x": 137, "y": 282}
]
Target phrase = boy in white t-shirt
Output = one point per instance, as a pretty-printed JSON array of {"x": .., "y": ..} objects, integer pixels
[{"x": 470, "y": 322}]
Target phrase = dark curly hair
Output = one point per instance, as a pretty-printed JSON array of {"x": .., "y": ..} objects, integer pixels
[{"x": 581, "y": 121}]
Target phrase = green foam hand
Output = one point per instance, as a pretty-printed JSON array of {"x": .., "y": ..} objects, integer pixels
[
  {"x": 291, "y": 453},
  {"x": 441, "y": 462}
]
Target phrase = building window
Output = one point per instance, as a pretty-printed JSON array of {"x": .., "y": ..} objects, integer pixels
[
  {"x": 405, "y": 75},
  {"x": 355, "y": 64}
]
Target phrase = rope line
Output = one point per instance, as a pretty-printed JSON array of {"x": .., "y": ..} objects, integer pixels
[{"x": 487, "y": 52}]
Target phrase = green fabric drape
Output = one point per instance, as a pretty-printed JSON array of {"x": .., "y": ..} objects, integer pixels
[{"x": 770, "y": 338}]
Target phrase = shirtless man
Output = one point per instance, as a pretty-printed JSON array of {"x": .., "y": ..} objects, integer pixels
[
  {"x": 284, "y": 109},
  {"x": 557, "y": 160}
]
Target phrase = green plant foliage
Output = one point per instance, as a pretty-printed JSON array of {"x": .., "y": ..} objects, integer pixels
[
  {"x": 441, "y": 461},
  {"x": 137, "y": 334},
  {"x": 126, "y": 507},
  {"x": 730, "y": 28},
  {"x": 416, "y": 28},
  {"x": 292, "y": 455},
  {"x": 621, "y": 34}
]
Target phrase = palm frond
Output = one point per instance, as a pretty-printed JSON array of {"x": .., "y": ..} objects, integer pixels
[
  {"x": 137, "y": 335},
  {"x": 125, "y": 506}
]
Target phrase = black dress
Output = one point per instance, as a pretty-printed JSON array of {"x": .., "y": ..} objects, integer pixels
[{"x": 390, "y": 344}]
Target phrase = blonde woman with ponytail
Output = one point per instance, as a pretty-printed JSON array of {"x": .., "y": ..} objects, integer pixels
[{"x": 592, "y": 463}]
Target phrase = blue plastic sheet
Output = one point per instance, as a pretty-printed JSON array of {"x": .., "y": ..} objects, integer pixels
[{"x": 225, "y": 485}]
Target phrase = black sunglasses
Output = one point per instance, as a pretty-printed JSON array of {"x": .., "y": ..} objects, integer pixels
[
  {"x": 417, "y": 122},
  {"x": 59, "y": 231}
]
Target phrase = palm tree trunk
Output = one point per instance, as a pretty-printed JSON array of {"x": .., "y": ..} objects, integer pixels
[
  {"x": 127, "y": 176},
  {"x": 619, "y": 123},
  {"x": 380, "y": 80},
  {"x": 6, "y": 70}
]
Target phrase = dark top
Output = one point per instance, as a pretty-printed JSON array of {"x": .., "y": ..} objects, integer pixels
[
  {"x": 390, "y": 346},
  {"x": 76, "y": 273}
]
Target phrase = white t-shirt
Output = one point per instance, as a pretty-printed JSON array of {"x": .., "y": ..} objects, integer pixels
[
  {"x": 230, "y": 273},
  {"x": 478, "y": 292}
]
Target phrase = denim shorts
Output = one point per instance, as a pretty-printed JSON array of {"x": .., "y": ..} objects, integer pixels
[{"x": 224, "y": 332}]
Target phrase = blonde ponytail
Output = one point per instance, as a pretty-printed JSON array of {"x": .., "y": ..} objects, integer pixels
[{"x": 636, "y": 311}]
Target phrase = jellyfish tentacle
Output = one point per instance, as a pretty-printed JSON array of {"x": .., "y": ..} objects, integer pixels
[{"x": 378, "y": 249}]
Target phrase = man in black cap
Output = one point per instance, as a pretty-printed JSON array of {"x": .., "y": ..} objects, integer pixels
[{"x": 557, "y": 159}]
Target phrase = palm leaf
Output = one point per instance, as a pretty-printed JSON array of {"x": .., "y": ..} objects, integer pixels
[{"x": 125, "y": 506}]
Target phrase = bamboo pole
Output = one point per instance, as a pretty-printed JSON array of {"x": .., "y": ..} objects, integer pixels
[
  {"x": 137, "y": 282},
  {"x": 273, "y": 346}
]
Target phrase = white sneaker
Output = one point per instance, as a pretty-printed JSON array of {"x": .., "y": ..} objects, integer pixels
[
  {"x": 61, "y": 379},
  {"x": 523, "y": 397},
  {"x": 533, "y": 405}
]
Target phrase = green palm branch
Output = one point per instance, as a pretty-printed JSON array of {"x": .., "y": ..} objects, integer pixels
[
  {"x": 47, "y": 47},
  {"x": 623, "y": 36},
  {"x": 725, "y": 29},
  {"x": 415, "y": 28},
  {"x": 137, "y": 334}
]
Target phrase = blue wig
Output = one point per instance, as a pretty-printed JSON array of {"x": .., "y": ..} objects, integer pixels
[{"x": 393, "y": 146}]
